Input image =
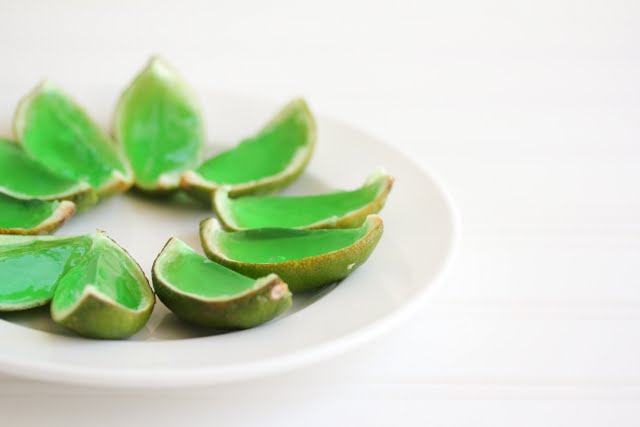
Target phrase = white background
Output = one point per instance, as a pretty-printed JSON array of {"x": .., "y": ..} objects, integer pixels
[{"x": 527, "y": 111}]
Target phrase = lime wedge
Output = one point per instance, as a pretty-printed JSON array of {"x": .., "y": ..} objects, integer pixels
[
  {"x": 30, "y": 267},
  {"x": 159, "y": 124},
  {"x": 268, "y": 161},
  {"x": 207, "y": 294},
  {"x": 25, "y": 178},
  {"x": 58, "y": 133},
  {"x": 341, "y": 209},
  {"x": 18, "y": 216},
  {"x": 305, "y": 259},
  {"x": 105, "y": 295}
]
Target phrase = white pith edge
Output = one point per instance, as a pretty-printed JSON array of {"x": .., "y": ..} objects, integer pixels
[
  {"x": 175, "y": 244},
  {"x": 211, "y": 228},
  {"x": 166, "y": 72},
  {"x": 222, "y": 202}
]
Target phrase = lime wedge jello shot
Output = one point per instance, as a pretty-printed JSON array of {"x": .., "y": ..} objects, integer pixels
[
  {"x": 264, "y": 163},
  {"x": 207, "y": 294},
  {"x": 105, "y": 294},
  {"x": 305, "y": 259},
  {"x": 25, "y": 178},
  {"x": 59, "y": 134},
  {"x": 339, "y": 209},
  {"x": 159, "y": 125},
  {"x": 18, "y": 216}
]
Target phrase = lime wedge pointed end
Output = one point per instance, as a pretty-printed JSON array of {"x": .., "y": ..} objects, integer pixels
[
  {"x": 207, "y": 294},
  {"x": 160, "y": 127},
  {"x": 261, "y": 164}
]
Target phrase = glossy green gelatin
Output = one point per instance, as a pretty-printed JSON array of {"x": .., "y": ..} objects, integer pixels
[
  {"x": 305, "y": 259},
  {"x": 333, "y": 210},
  {"x": 159, "y": 124},
  {"x": 105, "y": 295},
  {"x": 23, "y": 177},
  {"x": 205, "y": 293},
  {"x": 264, "y": 162},
  {"x": 31, "y": 267},
  {"x": 58, "y": 133},
  {"x": 18, "y": 216},
  {"x": 269, "y": 245}
]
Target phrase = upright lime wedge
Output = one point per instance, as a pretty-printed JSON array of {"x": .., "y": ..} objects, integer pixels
[
  {"x": 25, "y": 178},
  {"x": 158, "y": 122},
  {"x": 270, "y": 160},
  {"x": 208, "y": 294},
  {"x": 18, "y": 216},
  {"x": 305, "y": 259},
  {"x": 30, "y": 267},
  {"x": 58, "y": 133},
  {"x": 342, "y": 209},
  {"x": 105, "y": 295}
]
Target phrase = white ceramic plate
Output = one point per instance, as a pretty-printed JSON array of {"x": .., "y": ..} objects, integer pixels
[{"x": 418, "y": 243}]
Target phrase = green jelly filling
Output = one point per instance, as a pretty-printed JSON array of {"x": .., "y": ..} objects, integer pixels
[
  {"x": 266, "y": 154},
  {"x": 19, "y": 174},
  {"x": 194, "y": 274},
  {"x": 267, "y": 211},
  {"x": 61, "y": 135},
  {"x": 108, "y": 270},
  {"x": 159, "y": 125},
  {"x": 16, "y": 213},
  {"x": 272, "y": 245},
  {"x": 30, "y": 270}
]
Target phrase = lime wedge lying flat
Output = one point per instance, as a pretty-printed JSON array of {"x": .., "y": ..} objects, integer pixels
[
  {"x": 305, "y": 259},
  {"x": 30, "y": 268},
  {"x": 58, "y": 133},
  {"x": 158, "y": 122},
  {"x": 342, "y": 209},
  {"x": 19, "y": 216},
  {"x": 105, "y": 295},
  {"x": 207, "y": 294},
  {"x": 24, "y": 178},
  {"x": 273, "y": 158}
]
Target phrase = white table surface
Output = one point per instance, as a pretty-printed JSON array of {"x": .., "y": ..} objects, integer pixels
[{"x": 528, "y": 112}]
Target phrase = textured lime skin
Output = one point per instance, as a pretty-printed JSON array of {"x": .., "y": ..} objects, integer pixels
[
  {"x": 307, "y": 273},
  {"x": 351, "y": 220},
  {"x": 63, "y": 212},
  {"x": 201, "y": 189},
  {"x": 267, "y": 300},
  {"x": 96, "y": 316}
]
